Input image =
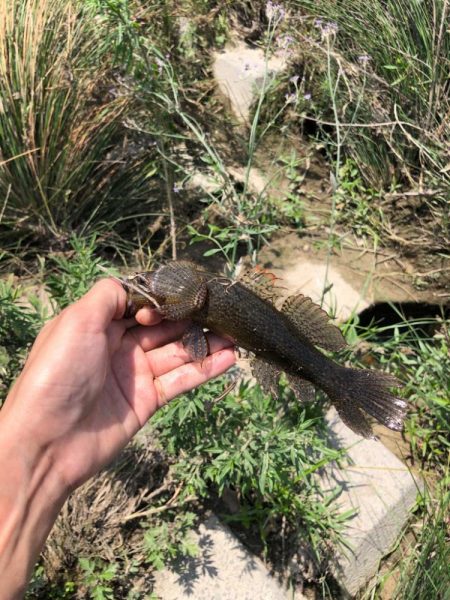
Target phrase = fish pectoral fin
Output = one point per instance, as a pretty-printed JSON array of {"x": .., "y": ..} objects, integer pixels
[
  {"x": 183, "y": 288},
  {"x": 303, "y": 390},
  {"x": 267, "y": 376},
  {"x": 176, "y": 310},
  {"x": 195, "y": 342},
  {"x": 312, "y": 322},
  {"x": 261, "y": 282}
]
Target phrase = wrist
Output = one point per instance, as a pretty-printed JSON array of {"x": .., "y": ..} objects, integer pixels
[{"x": 31, "y": 496}]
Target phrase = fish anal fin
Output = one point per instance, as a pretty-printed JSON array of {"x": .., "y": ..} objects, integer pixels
[
  {"x": 195, "y": 342},
  {"x": 267, "y": 376},
  {"x": 312, "y": 322},
  {"x": 303, "y": 389},
  {"x": 261, "y": 282}
]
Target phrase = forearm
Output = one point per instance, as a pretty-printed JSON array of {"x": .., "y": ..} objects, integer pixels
[{"x": 30, "y": 499}]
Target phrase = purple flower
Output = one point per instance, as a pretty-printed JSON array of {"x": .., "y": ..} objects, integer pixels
[
  {"x": 294, "y": 79},
  {"x": 160, "y": 64},
  {"x": 291, "y": 98},
  {"x": 330, "y": 28},
  {"x": 364, "y": 59},
  {"x": 274, "y": 11},
  {"x": 176, "y": 189},
  {"x": 307, "y": 96},
  {"x": 285, "y": 41},
  {"x": 326, "y": 28}
]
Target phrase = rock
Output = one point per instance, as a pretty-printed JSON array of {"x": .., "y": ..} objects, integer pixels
[
  {"x": 208, "y": 182},
  {"x": 224, "y": 570},
  {"x": 382, "y": 490},
  {"x": 239, "y": 72}
]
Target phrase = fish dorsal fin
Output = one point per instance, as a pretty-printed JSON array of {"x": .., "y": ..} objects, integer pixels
[
  {"x": 312, "y": 322},
  {"x": 260, "y": 281}
]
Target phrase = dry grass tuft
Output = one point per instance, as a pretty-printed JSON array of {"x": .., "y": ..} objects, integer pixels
[{"x": 93, "y": 522}]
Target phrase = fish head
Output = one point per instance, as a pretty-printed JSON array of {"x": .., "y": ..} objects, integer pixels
[{"x": 176, "y": 289}]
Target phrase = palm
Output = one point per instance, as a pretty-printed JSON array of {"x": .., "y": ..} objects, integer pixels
[{"x": 96, "y": 390}]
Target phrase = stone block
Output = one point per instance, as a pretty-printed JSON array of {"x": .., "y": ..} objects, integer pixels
[
  {"x": 382, "y": 490},
  {"x": 224, "y": 570}
]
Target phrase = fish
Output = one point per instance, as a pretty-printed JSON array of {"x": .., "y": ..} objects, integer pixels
[{"x": 281, "y": 335}]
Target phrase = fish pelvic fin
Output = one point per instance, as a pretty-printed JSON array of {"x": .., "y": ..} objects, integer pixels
[
  {"x": 361, "y": 391},
  {"x": 312, "y": 322}
]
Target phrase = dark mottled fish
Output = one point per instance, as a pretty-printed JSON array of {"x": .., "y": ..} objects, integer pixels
[{"x": 284, "y": 339}]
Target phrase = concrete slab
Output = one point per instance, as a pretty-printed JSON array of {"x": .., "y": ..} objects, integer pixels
[
  {"x": 224, "y": 570},
  {"x": 374, "y": 276},
  {"x": 310, "y": 277},
  {"x": 239, "y": 72},
  {"x": 380, "y": 487}
]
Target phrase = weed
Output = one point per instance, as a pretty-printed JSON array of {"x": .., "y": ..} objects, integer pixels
[
  {"x": 357, "y": 205},
  {"x": 97, "y": 577},
  {"x": 266, "y": 451},
  {"x": 20, "y": 321},
  {"x": 40, "y": 588},
  {"x": 168, "y": 538},
  {"x": 75, "y": 271}
]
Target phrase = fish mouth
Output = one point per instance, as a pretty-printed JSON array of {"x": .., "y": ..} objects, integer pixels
[{"x": 139, "y": 292}]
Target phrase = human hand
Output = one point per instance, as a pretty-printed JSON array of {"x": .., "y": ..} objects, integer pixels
[
  {"x": 90, "y": 383},
  {"x": 93, "y": 380}
]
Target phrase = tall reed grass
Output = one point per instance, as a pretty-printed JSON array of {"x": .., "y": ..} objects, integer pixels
[{"x": 59, "y": 125}]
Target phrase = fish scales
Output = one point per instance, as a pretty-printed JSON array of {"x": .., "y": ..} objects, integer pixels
[{"x": 253, "y": 323}]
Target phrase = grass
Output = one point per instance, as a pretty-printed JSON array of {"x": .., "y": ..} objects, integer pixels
[
  {"x": 424, "y": 571},
  {"x": 393, "y": 58},
  {"x": 374, "y": 76}
]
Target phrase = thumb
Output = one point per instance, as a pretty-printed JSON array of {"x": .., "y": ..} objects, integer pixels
[{"x": 105, "y": 302}]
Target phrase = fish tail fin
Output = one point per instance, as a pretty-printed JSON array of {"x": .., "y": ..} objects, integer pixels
[{"x": 359, "y": 391}]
